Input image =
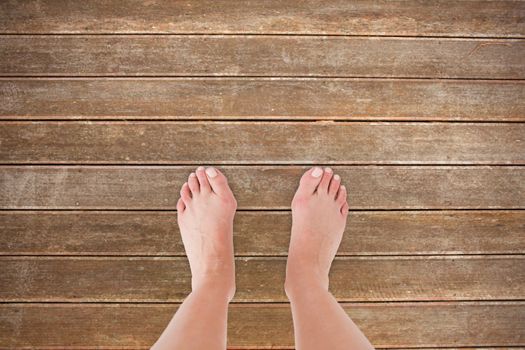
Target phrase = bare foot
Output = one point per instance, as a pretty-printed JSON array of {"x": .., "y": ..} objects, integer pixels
[
  {"x": 205, "y": 216},
  {"x": 319, "y": 211}
]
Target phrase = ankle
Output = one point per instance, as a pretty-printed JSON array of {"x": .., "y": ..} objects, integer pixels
[
  {"x": 299, "y": 284},
  {"x": 215, "y": 287}
]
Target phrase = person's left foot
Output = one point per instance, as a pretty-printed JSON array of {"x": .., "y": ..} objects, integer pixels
[{"x": 205, "y": 217}]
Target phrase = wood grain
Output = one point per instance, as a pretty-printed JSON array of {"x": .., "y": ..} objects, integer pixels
[
  {"x": 391, "y": 325},
  {"x": 262, "y": 98},
  {"x": 262, "y": 187},
  {"x": 138, "y": 279},
  {"x": 110, "y": 55},
  {"x": 279, "y": 143},
  {"x": 365, "y": 17},
  {"x": 261, "y": 233},
  {"x": 86, "y": 190}
]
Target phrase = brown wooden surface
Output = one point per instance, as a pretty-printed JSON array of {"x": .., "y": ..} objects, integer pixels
[
  {"x": 252, "y": 55},
  {"x": 433, "y": 255},
  {"x": 286, "y": 142},
  {"x": 261, "y": 98},
  {"x": 364, "y": 17},
  {"x": 262, "y": 187},
  {"x": 260, "y": 279},
  {"x": 392, "y": 325},
  {"x": 261, "y": 233}
]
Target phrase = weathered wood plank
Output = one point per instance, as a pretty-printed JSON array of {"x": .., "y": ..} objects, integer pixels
[
  {"x": 436, "y": 17},
  {"x": 261, "y": 233},
  {"x": 262, "y": 98},
  {"x": 281, "y": 143},
  {"x": 109, "y": 55},
  {"x": 262, "y": 187},
  {"x": 391, "y": 325},
  {"x": 139, "y": 279}
]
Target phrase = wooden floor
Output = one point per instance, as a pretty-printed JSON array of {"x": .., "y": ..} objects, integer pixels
[{"x": 105, "y": 108}]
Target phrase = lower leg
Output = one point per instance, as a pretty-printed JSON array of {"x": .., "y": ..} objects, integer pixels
[
  {"x": 199, "y": 323},
  {"x": 320, "y": 322},
  {"x": 205, "y": 214},
  {"x": 319, "y": 211}
]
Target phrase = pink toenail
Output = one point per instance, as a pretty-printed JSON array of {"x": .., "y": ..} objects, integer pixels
[
  {"x": 200, "y": 168},
  {"x": 317, "y": 172},
  {"x": 192, "y": 175},
  {"x": 211, "y": 172},
  {"x": 328, "y": 170},
  {"x": 336, "y": 177}
]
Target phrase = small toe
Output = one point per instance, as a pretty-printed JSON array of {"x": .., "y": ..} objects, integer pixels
[
  {"x": 204, "y": 185},
  {"x": 344, "y": 209},
  {"x": 310, "y": 180},
  {"x": 180, "y": 205},
  {"x": 325, "y": 181},
  {"x": 217, "y": 181},
  {"x": 334, "y": 185},
  {"x": 341, "y": 195},
  {"x": 193, "y": 183},
  {"x": 185, "y": 193}
]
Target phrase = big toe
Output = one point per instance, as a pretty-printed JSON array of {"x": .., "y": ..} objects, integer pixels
[
  {"x": 310, "y": 180},
  {"x": 217, "y": 180}
]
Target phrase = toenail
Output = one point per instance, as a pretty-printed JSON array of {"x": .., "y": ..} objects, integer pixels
[
  {"x": 317, "y": 172},
  {"x": 328, "y": 170},
  {"x": 343, "y": 187},
  {"x": 200, "y": 168},
  {"x": 211, "y": 172},
  {"x": 336, "y": 177},
  {"x": 192, "y": 175}
]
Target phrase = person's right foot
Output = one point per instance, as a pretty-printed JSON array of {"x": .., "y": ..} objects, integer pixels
[{"x": 319, "y": 212}]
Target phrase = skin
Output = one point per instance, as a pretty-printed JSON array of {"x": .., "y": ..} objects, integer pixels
[
  {"x": 319, "y": 212},
  {"x": 205, "y": 217}
]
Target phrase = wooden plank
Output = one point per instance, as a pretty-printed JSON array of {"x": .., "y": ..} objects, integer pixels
[
  {"x": 139, "y": 279},
  {"x": 262, "y": 98},
  {"x": 262, "y": 187},
  {"x": 281, "y": 143},
  {"x": 391, "y": 325},
  {"x": 113, "y": 55},
  {"x": 365, "y": 17},
  {"x": 261, "y": 233}
]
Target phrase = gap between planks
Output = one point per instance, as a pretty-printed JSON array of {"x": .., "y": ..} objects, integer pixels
[
  {"x": 225, "y": 76},
  {"x": 276, "y": 119},
  {"x": 254, "y": 34}
]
